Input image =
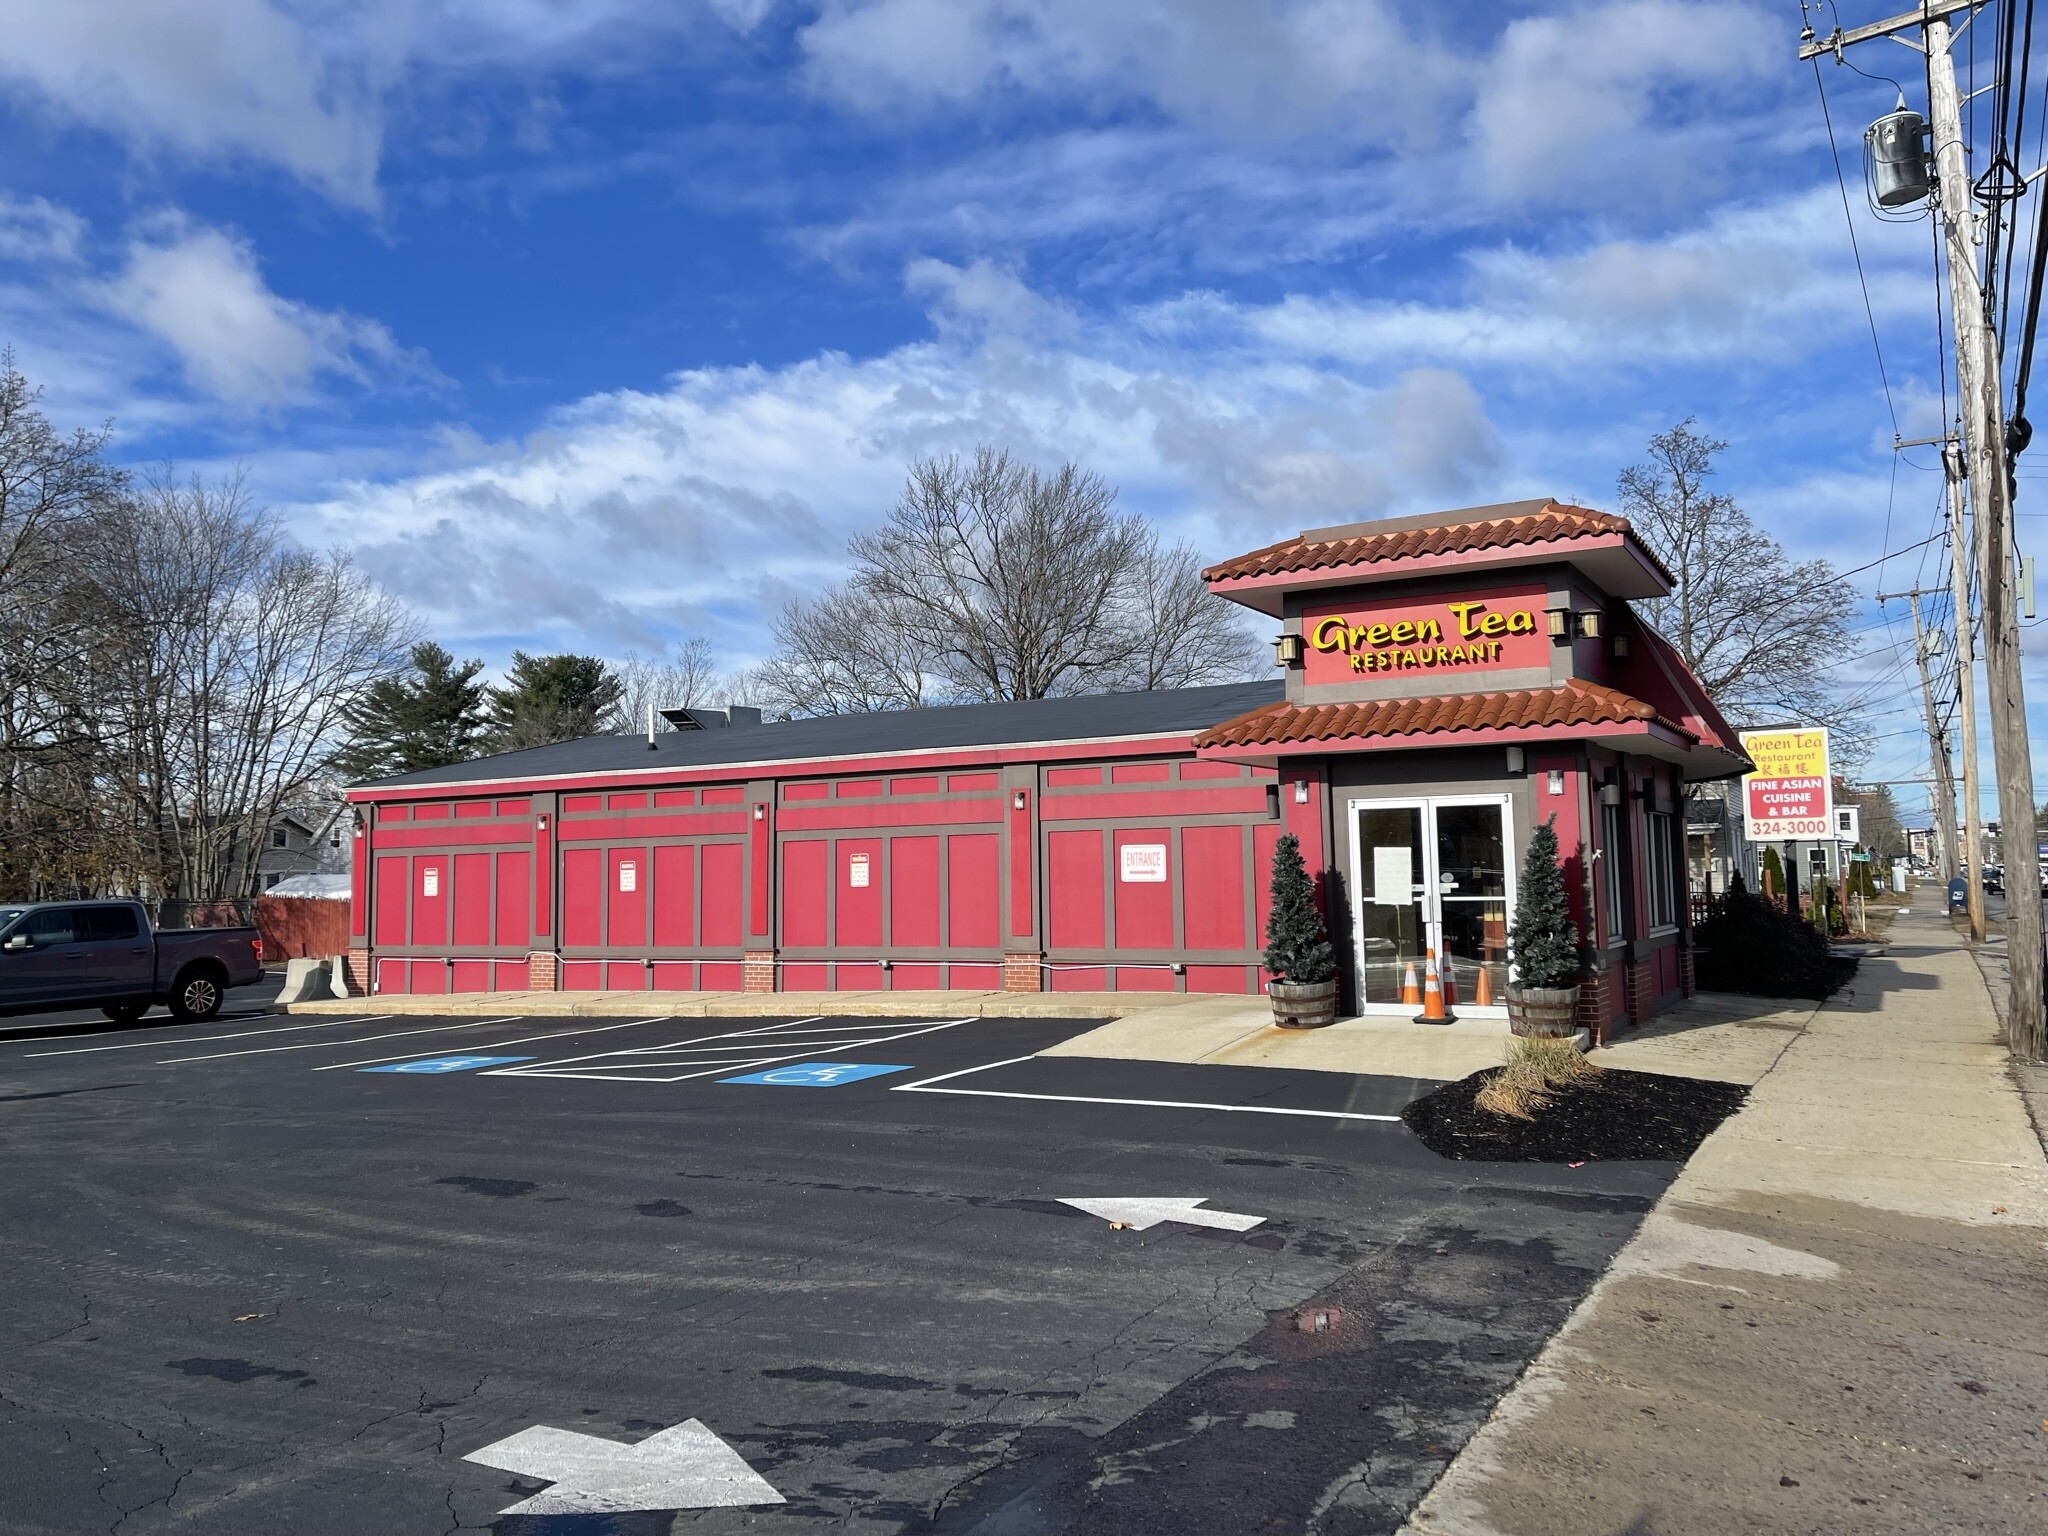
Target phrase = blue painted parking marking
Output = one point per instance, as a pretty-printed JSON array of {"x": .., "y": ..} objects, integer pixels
[
  {"x": 814, "y": 1074},
  {"x": 446, "y": 1064}
]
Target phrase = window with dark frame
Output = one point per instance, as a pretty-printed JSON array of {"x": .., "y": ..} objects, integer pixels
[
  {"x": 1613, "y": 858},
  {"x": 1663, "y": 876}
]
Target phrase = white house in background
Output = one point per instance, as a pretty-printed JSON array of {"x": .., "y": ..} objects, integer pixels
[{"x": 305, "y": 840}]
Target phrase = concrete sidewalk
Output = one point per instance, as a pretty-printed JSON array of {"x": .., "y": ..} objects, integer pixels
[{"x": 1836, "y": 1321}]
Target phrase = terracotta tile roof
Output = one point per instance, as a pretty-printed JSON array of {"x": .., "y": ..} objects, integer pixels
[
  {"x": 1552, "y": 522},
  {"x": 1576, "y": 703}
]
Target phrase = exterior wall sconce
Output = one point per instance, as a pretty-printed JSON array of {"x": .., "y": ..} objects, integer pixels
[
  {"x": 1589, "y": 624},
  {"x": 1287, "y": 651},
  {"x": 1610, "y": 794},
  {"x": 1560, "y": 621},
  {"x": 540, "y": 822},
  {"x": 1556, "y": 784},
  {"x": 760, "y": 811},
  {"x": 1518, "y": 763},
  {"x": 1621, "y": 647},
  {"x": 1301, "y": 791},
  {"x": 1017, "y": 801}
]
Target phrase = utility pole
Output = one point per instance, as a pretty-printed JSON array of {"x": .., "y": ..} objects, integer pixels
[
  {"x": 1966, "y": 685},
  {"x": 1982, "y": 408},
  {"x": 1944, "y": 789}
]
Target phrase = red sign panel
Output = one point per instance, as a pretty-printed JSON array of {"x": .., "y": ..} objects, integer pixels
[
  {"x": 1787, "y": 808},
  {"x": 1487, "y": 631}
]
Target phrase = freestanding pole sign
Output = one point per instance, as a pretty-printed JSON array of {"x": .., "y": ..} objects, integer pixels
[{"x": 1790, "y": 796}]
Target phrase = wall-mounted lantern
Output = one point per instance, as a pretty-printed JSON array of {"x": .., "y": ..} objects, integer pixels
[
  {"x": 1287, "y": 651},
  {"x": 1559, "y": 622},
  {"x": 1301, "y": 791},
  {"x": 1610, "y": 794},
  {"x": 1556, "y": 784},
  {"x": 760, "y": 810},
  {"x": 1589, "y": 624},
  {"x": 1620, "y": 644},
  {"x": 1017, "y": 801},
  {"x": 1518, "y": 763}
]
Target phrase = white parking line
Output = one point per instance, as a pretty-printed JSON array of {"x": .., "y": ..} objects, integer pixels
[
  {"x": 492, "y": 1045},
  {"x": 327, "y": 1045},
  {"x": 926, "y": 1086},
  {"x": 671, "y": 1056},
  {"x": 143, "y": 1045}
]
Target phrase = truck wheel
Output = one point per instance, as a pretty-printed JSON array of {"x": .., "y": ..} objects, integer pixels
[
  {"x": 196, "y": 996},
  {"x": 125, "y": 1013}
]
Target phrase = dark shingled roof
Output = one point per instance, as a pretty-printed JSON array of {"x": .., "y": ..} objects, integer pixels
[{"x": 1093, "y": 716}]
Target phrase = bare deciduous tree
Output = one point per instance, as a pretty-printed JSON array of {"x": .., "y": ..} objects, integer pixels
[
  {"x": 685, "y": 677},
  {"x": 991, "y": 580},
  {"x": 1759, "y": 629}
]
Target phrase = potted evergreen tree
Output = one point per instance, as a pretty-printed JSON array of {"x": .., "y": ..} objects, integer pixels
[
  {"x": 1543, "y": 997},
  {"x": 1298, "y": 953}
]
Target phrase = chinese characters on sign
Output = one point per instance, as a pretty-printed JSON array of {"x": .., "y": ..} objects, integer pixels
[{"x": 1790, "y": 796}]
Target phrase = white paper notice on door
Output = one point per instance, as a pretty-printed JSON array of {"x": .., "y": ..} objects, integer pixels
[
  {"x": 857, "y": 870},
  {"x": 1142, "y": 863},
  {"x": 430, "y": 881},
  {"x": 1393, "y": 876},
  {"x": 629, "y": 875}
]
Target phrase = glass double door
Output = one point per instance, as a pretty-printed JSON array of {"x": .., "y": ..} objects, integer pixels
[{"x": 1432, "y": 876}]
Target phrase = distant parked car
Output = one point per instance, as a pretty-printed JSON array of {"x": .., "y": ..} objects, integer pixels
[
  {"x": 105, "y": 955},
  {"x": 1994, "y": 879}
]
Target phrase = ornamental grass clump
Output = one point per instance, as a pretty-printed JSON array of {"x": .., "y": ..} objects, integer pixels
[
  {"x": 1297, "y": 947},
  {"x": 1537, "y": 1071},
  {"x": 1544, "y": 940}
]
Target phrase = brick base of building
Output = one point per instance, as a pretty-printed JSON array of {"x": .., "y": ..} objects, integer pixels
[
  {"x": 757, "y": 970},
  {"x": 1686, "y": 983},
  {"x": 356, "y": 967},
  {"x": 1023, "y": 973},
  {"x": 1642, "y": 990},
  {"x": 1596, "y": 1004},
  {"x": 543, "y": 972}
]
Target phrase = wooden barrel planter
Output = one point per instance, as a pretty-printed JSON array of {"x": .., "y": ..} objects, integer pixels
[
  {"x": 1544, "y": 1013},
  {"x": 1303, "y": 1004}
]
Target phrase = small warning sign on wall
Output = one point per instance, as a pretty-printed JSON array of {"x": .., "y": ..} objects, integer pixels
[
  {"x": 857, "y": 870},
  {"x": 430, "y": 881},
  {"x": 629, "y": 875}
]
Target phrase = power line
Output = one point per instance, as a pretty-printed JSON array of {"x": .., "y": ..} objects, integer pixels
[{"x": 1869, "y": 314}]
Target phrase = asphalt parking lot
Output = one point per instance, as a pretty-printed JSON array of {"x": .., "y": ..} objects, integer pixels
[{"x": 273, "y": 1274}]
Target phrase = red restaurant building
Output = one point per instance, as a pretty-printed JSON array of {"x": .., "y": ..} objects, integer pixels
[{"x": 1447, "y": 683}]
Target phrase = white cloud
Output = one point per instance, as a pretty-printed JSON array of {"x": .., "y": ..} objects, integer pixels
[
  {"x": 704, "y": 505},
  {"x": 982, "y": 298},
  {"x": 34, "y": 229},
  {"x": 199, "y": 290}
]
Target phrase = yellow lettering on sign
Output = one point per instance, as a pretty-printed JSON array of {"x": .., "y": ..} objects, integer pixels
[
  {"x": 1521, "y": 622},
  {"x": 1402, "y": 643},
  {"x": 1328, "y": 635}
]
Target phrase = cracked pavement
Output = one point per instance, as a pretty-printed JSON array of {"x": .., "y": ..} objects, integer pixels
[{"x": 248, "y": 1297}]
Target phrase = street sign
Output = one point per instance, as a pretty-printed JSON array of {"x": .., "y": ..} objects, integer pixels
[
  {"x": 1144, "y": 1212},
  {"x": 683, "y": 1467},
  {"x": 447, "y": 1064},
  {"x": 1790, "y": 796},
  {"x": 815, "y": 1074}
]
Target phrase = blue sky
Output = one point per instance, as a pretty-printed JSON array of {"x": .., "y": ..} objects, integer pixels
[{"x": 594, "y": 323}]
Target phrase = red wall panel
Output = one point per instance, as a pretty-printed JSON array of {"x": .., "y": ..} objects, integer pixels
[
  {"x": 430, "y": 900},
  {"x": 1212, "y": 891},
  {"x": 722, "y": 892},
  {"x": 472, "y": 902},
  {"x": 582, "y": 896},
  {"x": 1073, "y": 891},
  {"x": 582, "y": 975},
  {"x": 627, "y": 908},
  {"x": 515, "y": 890},
  {"x": 391, "y": 893},
  {"x": 913, "y": 893},
  {"x": 1216, "y": 978},
  {"x": 1264, "y": 839},
  {"x": 1144, "y": 912},
  {"x": 675, "y": 896},
  {"x": 470, "y": 976},
  {"x": 806, "y": 888},
  {"x": 974, "y": 890},
  {"x": 859, "y": 906}
]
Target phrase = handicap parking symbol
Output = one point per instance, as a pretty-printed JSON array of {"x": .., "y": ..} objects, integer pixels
[
  {"x": 447, "y": 1064},
  {"x": 814, "y": 1074}
]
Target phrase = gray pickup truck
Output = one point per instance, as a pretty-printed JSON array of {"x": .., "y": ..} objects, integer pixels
[{"x": 105, "y": 955}]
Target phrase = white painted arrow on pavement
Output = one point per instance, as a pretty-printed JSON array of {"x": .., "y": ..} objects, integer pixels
[
  {"x": 1142, "y": 1213},
  {"x": 683, "y": 1467}
]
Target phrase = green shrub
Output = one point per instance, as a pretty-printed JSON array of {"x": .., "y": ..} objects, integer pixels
[{"x": 1747, "y": 945}]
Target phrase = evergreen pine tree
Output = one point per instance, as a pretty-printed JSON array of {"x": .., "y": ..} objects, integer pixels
[
  {"x": 551, "y": 698},
  {"x": 1297, "y": 948},
  {"x": 1774, "y": 873},
  {"x": 1546, "y": 944},
  {"x": 428, "y": 718}
]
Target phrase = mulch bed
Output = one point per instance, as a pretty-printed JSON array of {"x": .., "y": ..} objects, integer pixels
[{"x": 1616, "y": 1116}]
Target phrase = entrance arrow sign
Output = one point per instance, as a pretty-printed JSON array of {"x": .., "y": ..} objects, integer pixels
[
  {"x": 684, "y": 1466},
  {"x": 1149, "y": 1212}
]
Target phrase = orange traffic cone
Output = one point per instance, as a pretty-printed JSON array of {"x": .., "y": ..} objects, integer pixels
[
  {"x": 1432, "y": 995},
  {"x": 1410, "y": 991},
  {"x": 1482, "y": 994},
  {"x": 1450, "y": 974}
]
